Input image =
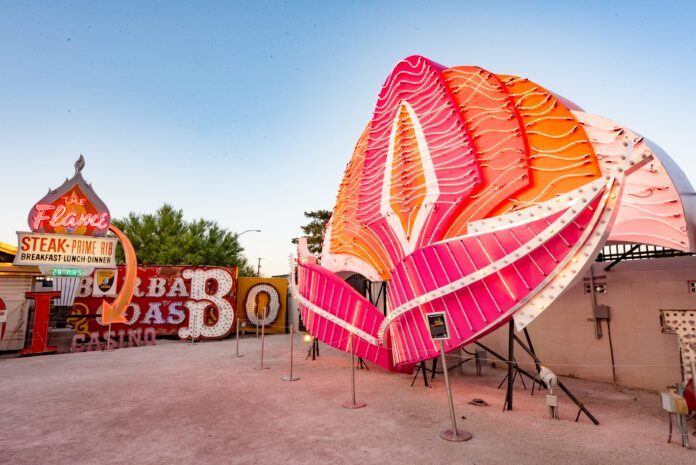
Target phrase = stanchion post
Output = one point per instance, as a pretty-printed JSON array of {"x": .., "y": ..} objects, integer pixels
[
  {"x": 439, "y": 331},
  {"x": 237, "y": 349},
  {"x": 263, "y": 332},
  {"x": 292, "y": 338},
  {"x": 453, "y": 434},
  {"x": 352, "y": 404},
  {"x": 108, "y": 340}
]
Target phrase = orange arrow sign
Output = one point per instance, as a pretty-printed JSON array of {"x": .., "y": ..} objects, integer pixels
[{"x": 113, "y": 313}]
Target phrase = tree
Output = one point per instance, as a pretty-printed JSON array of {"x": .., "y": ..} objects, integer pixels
[
  {"x": 315, "y": 229},
  {"x": 165, "y": 238}
]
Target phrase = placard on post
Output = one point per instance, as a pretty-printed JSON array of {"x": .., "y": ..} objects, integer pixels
[
  {"x": 439, "y": 331},
  {"x": 437, "y": 324}
]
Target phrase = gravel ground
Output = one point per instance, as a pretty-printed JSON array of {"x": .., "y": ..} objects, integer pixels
[{"x": 176, "y": 403}]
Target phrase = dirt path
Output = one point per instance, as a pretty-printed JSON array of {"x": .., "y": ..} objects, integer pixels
[{"x": 173, "y": 403}]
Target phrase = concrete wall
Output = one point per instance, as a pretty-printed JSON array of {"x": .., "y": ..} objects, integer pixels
[{"x": 564, "y": 335}]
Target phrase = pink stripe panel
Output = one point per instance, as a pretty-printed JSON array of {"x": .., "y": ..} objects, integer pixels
[
  {"x": 484, "y": 304},
  {"x": 330, "y": 293}
]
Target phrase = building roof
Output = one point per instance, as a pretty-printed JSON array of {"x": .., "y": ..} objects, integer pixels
[
  {"x": 8, "y": 269},
  {"x": 7, "y": 254},
  {"x": 8, "y": 249}
]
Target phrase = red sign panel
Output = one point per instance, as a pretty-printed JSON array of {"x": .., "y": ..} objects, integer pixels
[
  {"x": 187, "y": 301},
  {"x": 72, "y": 208}
]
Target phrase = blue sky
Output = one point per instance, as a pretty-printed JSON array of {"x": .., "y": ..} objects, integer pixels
[{"x": 247, "y": 112}]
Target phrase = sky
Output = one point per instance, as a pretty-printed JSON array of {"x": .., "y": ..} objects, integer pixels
[{"x": 247, "y": 113}]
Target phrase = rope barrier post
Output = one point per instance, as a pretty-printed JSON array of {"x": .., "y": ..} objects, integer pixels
[
  {"x": 507, "y": 405},
  {"x": 451, "y": 434},
  {"x": 352, "y": 404},
  {"x": 263, "y": 332},
  {"x": 237, "y": 331},
  {"x": 108, "y": 340},
  {"x": 292, "y": 338},
  {"x": 193, "y": 326},
  {"x": 439, "y": 331}
]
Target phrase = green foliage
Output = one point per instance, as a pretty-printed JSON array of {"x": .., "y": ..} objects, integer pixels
[
  {"x": 314, "y": 230},
  {"x": 165, "y": 238}
]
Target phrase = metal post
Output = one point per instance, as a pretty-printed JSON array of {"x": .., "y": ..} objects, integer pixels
[
  {"x": 193, "y": 328},
  {"x": 510, "y": 374},
  {"x": 237, "y": 351},
  {"x": 108, "y": 340},
  {"x": 352, "y": 404},
  {"x": 263, "y": 332},
  {"x": 292, "y": 338},
  {"x": 451, "y": 434}
]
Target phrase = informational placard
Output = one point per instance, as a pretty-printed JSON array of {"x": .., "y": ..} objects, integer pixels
[
  {"x": 65, "y": 250},
  {"x": 437, "y": 324}
]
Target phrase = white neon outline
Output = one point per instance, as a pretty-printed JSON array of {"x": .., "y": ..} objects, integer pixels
[{"x": 432, "y": 189}]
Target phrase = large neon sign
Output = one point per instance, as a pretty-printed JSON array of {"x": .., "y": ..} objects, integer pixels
[{"x": 483, "y": 196}]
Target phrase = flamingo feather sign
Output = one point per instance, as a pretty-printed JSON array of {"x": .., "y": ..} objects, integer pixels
[{"x": 482, "y": 196}]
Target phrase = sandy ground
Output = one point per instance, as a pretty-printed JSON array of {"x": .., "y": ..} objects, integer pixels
[{"x": 176, "y": 403}]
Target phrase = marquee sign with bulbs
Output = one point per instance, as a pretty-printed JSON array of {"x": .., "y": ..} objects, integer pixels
[
  {"x": 199, "y": 302},
  {"x": 183, "y": 301},
  {"x": 482, "y": 196}
]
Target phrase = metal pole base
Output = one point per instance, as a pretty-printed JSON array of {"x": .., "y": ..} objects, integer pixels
[
  {"x": 239, "y": 355},
  {"x": 353, "y": 405},
  {"x": 456, "y": 436},
  {"x": 261, "y": 368},
  {"x": 288, "y": 378}
]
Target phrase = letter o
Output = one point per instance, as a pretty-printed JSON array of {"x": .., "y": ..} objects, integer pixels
[
  {"x": 136, "y": 313},
  {"x": 273, "y": 304}
]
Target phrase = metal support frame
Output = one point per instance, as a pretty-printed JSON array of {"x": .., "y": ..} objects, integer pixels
[
  {"x": 313, "y": 349},
  {"x": 421, "y": 368},
  {"x": 621, "y": 257},
  {"x": 616, "y": 253},
  {"x": 362, "y": 365},
  {"x": 382, "y": 292},
  {"x": 512, "y": 338}
]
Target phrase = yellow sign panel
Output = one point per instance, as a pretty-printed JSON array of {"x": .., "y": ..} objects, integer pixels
[
  {"x": 105, "y": 283},
  {"x": 262, "y": 296}
]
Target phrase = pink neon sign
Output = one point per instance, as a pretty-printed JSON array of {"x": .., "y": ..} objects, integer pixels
[{"x": 482, "y": 196}]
